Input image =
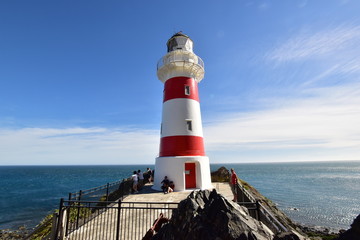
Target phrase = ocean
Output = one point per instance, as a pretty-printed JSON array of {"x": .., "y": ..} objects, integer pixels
[{"x": 312, "y": 193}]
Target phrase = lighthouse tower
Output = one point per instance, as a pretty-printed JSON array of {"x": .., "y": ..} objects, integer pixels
[{"x": 182, "y": 156}]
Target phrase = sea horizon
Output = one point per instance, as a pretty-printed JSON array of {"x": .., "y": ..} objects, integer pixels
[{"x": 153, "y": 164}]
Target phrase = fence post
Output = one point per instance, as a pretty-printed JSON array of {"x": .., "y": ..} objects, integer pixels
[
  {"x": 80, "y": 193},
  {"x": 118, "y": 220},
  {"x": 257, "y": 210},
  {"x": 54, "y": 225},
  {"x": 122, "y": 184},
  {"x": 107, "y": 192},
  {"x": 59, "y": 219},
  {"x": 242, "y": 194},
  {"x": 78, "y": 210}
]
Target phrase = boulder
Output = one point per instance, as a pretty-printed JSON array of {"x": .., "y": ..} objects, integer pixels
[
  {"x": 286, "y": 236},
  {"x": 221, "y": 175},
  {"x": 353, "y": 233},
  {"x": 208, "y": 215}
]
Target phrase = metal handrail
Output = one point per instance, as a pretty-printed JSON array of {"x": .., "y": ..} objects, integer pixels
[
  {"x": 81, "y": 193},
  {"x": 248, "y": 195},
  {"x": 269, "y": 216}
]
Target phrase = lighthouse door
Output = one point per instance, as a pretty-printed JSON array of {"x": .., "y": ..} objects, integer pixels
[{"x": 190, "y": 175}]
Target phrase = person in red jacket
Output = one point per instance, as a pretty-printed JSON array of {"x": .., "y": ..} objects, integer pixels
[{"x": 233, "y": 183}]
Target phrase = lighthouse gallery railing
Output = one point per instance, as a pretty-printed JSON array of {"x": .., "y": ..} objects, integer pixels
[{"x": 182, "y": 56}]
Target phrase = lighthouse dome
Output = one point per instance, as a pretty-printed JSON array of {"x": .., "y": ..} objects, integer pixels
[{"x": 180, "y": 41}]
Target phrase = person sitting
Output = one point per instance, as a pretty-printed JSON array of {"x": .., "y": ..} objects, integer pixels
[
  {"x": 165, "y": 185},
  {"x": 171, "y": 186}
]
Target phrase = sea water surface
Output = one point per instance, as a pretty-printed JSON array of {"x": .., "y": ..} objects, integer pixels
[{"x": 323, "y": 193}]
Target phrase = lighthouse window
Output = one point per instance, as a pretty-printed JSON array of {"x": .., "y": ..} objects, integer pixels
[
  {"x": 187, "y": 90},
  {"x": 189, "y": 125}
]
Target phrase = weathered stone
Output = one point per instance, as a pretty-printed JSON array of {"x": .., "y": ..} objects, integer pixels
[
  {"x": 220, "y": 175},
  {"x": 286, "y": 236},
  {"x": 353, "y": 233},
  {"x": 208, "y": 215}
]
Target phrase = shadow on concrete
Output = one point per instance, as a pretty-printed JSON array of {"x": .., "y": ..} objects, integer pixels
[{"x": 148, "y": 189}]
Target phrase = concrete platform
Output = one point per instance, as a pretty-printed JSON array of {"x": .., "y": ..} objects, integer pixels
[{"x": 147, "y": 194}]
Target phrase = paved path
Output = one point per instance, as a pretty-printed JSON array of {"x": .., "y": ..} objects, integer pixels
[{"x": 149, "y": 195}]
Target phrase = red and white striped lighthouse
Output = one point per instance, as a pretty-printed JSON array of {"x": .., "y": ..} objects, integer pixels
[{"x": 182, "y": 156}]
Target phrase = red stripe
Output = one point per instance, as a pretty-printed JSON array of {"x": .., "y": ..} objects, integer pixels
[
  {"x": 175, "y": 88},
  {"x": 181, "y": 146}
]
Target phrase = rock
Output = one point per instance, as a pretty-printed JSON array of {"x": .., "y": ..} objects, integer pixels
[
  {"x": 221, "y": 175},
  {"x": 353, "y": 233},
  {"x": 208, "y": 215},
  {"x": 286, "y": 236},
  {"x": 8, "y": 234}
]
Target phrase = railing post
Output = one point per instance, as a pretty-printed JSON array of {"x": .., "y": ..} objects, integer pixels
[
  {"x": 78, "y": 210},
  {"x": 257, "y": 210},
  {"x": 80, "y": 193},
  {"x": 122, "y": 189},
  {"x": 107, "y": 192},
  {"x": 54, "y": 225},
  {"x": 59, "y": 219},
  {"x": 118, "y": 220},
  {"x": 70, "y": 195}
]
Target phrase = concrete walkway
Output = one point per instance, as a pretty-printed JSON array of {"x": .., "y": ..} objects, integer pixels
[{"x": 147, "y": 194}]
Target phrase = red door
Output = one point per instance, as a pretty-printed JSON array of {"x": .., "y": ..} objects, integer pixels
[{"x": 190, "y": 175}]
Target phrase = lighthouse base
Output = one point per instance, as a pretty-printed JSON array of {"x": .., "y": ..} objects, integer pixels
[{"x": 187, "y": 172}]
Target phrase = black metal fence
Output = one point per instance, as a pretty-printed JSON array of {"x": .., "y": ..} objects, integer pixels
[
  {"x": 94, "y": 213},
  {"x": 95, "y": 194},
  {"x": 92, "y": 220}
]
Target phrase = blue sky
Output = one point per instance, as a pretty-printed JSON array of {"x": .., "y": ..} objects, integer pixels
[{"x": 78, "y": 79}]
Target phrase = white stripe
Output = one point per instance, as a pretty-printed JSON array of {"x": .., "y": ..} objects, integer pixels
[{"x": 176, "y": 112}]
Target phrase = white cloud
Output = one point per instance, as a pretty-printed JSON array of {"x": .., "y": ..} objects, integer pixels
[
  {"x": 327, "y": 123},
  {"x": 77, "y": 146},
  {"x": 316, "y": 45},
  {"x": 324, "y": 126}
]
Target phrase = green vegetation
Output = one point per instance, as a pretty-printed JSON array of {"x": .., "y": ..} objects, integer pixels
[
  {"x": 43, "y": 229},
  {"x": 323, "y": 236},
  {"x": 245, "y": 184},
  {"x": 82, "y": 212}
]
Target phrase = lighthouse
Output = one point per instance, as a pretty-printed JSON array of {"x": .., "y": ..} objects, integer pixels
[{"x": 182, "y": 155}]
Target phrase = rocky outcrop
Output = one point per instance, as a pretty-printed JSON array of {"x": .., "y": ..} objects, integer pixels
[
  {"x": 286, "y": 236},
  {"x": 208, "y": 215},
  {"x": 220, "y": 175},
  {"x": 268, "y": 204},
  {"x": 353, "y": 233}
]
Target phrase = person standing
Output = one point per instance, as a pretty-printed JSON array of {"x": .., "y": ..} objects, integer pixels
[
  {"x": 135, "y": 178},
  {"x": 233, "y": 183},
  {"x": 149, "y": 173},
  {"x": 141, "y": 179}
]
